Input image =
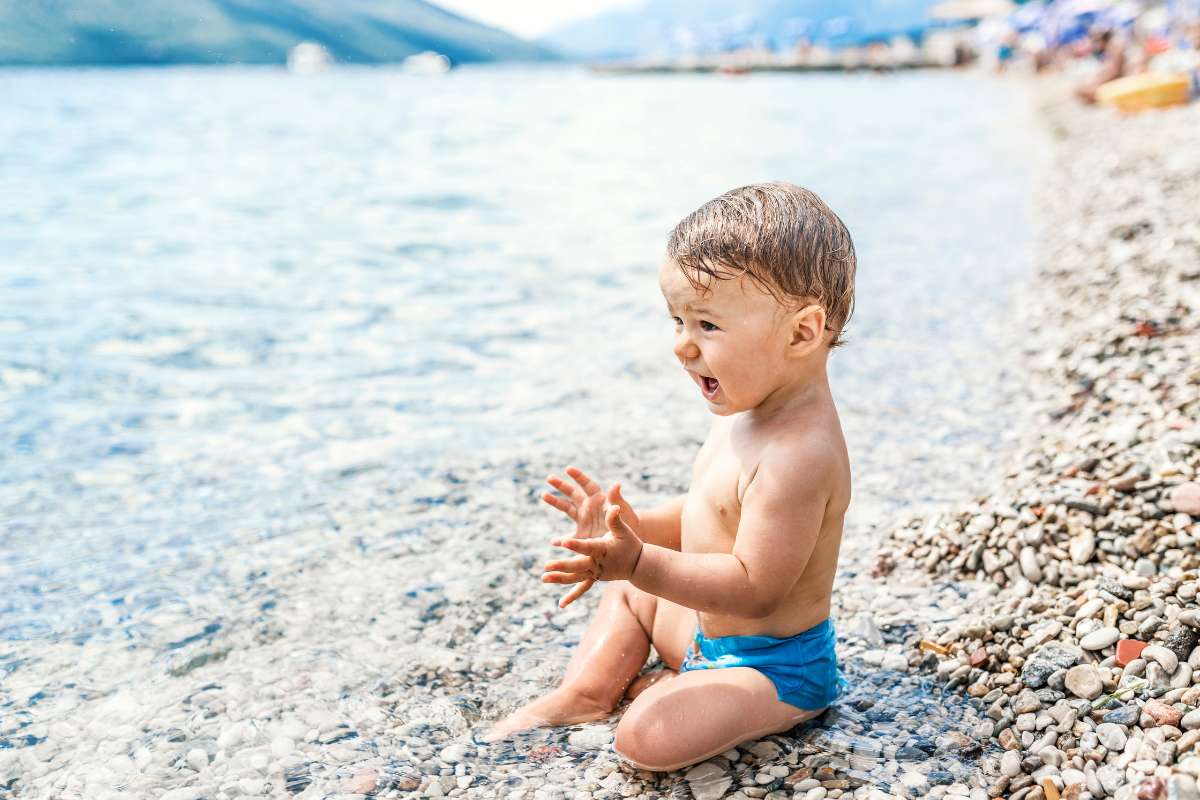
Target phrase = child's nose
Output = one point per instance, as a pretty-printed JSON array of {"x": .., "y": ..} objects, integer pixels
[{"x": 685, "y": 348}]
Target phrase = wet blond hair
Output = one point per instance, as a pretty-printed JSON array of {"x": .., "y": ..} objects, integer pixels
[{"x": 780, "y": 235}]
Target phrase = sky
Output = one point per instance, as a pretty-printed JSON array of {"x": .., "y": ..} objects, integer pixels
[{"x": 530, "y": 18}]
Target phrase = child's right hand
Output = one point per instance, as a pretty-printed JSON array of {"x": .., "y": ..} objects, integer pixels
[{"x": 585, "y": 504}]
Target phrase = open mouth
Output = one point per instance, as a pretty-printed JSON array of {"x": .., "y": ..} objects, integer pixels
[{"x": 709, "y": 386}]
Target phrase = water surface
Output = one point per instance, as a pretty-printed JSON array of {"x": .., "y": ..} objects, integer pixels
[{"x": 241, "y": 307}]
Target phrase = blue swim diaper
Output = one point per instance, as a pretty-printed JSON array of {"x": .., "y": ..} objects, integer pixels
[{"x": 803, "y": 667}]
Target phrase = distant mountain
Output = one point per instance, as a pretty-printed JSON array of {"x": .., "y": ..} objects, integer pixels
[
  {"x": 243, "y": 31},
  {"x": 659, "y": 27}
]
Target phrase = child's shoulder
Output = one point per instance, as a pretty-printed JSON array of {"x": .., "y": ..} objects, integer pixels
[
  {"x": 813, "y": 456},
  {"x": 804, "y": 448}
]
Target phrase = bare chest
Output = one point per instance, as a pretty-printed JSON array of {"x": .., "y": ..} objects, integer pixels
[{"x": 713, "y": 506}]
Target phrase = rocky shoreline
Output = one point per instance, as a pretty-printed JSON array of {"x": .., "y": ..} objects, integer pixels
[{"x": 1087, "y": 661}]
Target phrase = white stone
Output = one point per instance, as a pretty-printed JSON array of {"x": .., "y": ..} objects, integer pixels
[
  {"x": 453, "y": 753},
  {"x": 704, "y": 771},
  {"x": 590, "y": 738},
  {"x": 712, "y": 789},
  {"x": 230, "y": 737},
  {"x": 197, "y": 759},
  {"x": 1072, "y": 776},
  {"x": 1163, "y": 656},
  {"x": 1099, "y": 639},
  {"x": 252, "y": 785},
  {"x": 1083, "y": 547}
]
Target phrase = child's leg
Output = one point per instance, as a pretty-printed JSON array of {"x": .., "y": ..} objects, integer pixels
[
  {"x": 699, "y": 714},
  {"x": 613, "y": 650}
]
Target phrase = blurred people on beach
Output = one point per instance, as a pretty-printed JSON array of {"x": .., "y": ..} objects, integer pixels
[
  {"x": 1092, "y": 42},
  {"x": 1109, "y": 50}
]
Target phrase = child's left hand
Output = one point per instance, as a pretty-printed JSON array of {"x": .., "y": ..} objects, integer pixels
[{"x": 612, "y": 557}]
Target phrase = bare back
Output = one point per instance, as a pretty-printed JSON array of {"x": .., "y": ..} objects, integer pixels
[{"x": 724, "y": 469}]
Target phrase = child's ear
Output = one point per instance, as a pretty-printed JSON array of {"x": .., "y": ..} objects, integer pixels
[{"x": 808, "y": 330}]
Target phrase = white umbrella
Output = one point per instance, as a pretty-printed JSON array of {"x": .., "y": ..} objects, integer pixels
[{"x": 952, "y": 10}]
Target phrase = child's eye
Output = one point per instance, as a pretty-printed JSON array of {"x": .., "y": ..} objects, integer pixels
[{"x": 708, "y": 326}]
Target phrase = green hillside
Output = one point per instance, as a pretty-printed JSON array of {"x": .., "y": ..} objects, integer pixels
[{"x": 47, "y": 32}]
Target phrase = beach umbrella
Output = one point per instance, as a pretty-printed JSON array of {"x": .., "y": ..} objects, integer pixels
[
  {"x": 960, "y": 10},
  {"x": 1069, "y": 21}
]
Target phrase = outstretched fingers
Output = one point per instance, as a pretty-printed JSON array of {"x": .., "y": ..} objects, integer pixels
[
  {"x": 565, "y": 577},
  {"x": 587, "y": 547},
  {"x": 577, "y": 592},
  {"x": 584, "y": 480},
  {"x": 562, "y": 504},
  {"x": 578, "y": 564},
  {"x": 569, "y": 489}
]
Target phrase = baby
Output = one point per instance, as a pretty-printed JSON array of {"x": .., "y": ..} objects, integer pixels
[{"x": 730, "y": 582}]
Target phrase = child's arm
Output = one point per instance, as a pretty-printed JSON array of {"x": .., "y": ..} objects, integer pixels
[
  {"x": 660, "y": 525},
  {"x": 781, "y": 518}
]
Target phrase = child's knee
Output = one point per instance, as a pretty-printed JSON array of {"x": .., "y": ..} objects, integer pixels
[
  {"x": 637, "y": 749},
  {"x": 646, "y": 741}
]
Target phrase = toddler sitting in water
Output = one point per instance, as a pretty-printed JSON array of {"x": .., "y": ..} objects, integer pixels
[{"x": 730, "y": 582}]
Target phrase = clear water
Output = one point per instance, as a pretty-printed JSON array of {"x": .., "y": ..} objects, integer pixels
[
  {"x": 223, "y": 289},
  {"x": 237, "y": 305}
]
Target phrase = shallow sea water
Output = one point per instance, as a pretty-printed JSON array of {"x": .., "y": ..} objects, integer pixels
[{"x": 245, "y": 312}]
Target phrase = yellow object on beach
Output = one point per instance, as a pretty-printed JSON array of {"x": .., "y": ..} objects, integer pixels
[{"x": 1148, "y": 90}]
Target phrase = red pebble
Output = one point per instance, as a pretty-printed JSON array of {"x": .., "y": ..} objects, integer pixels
[
  {"x": 1162, "y": 713},
  {"x": 1152, "y": 789},
  {"x": 544, "y": 752},
  {"x": 1128, "y": 650},
  {"x": 979, "y": 657}
]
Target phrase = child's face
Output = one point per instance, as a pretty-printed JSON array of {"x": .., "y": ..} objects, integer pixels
[{"x": 731, "y": 338}]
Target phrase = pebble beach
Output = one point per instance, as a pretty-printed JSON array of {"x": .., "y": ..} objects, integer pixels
[
  {"x": 1038, "y": 641},
  {"x": 1085, "y": 659}
]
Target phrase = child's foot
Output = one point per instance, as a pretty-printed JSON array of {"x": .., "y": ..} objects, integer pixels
[
  {"x": 560, "y": 707},
  {"x": 643, "y": 682}
]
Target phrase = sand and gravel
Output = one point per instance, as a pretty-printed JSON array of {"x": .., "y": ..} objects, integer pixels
[{"x": 1087, "y": 660}]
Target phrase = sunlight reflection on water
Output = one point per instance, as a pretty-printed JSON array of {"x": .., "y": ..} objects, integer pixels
[{"x": 228, "y": 302}]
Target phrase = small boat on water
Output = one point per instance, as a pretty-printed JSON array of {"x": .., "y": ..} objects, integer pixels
[
  {"x": 426, "y": 63},
  {"x": 309, "y": 57}
]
